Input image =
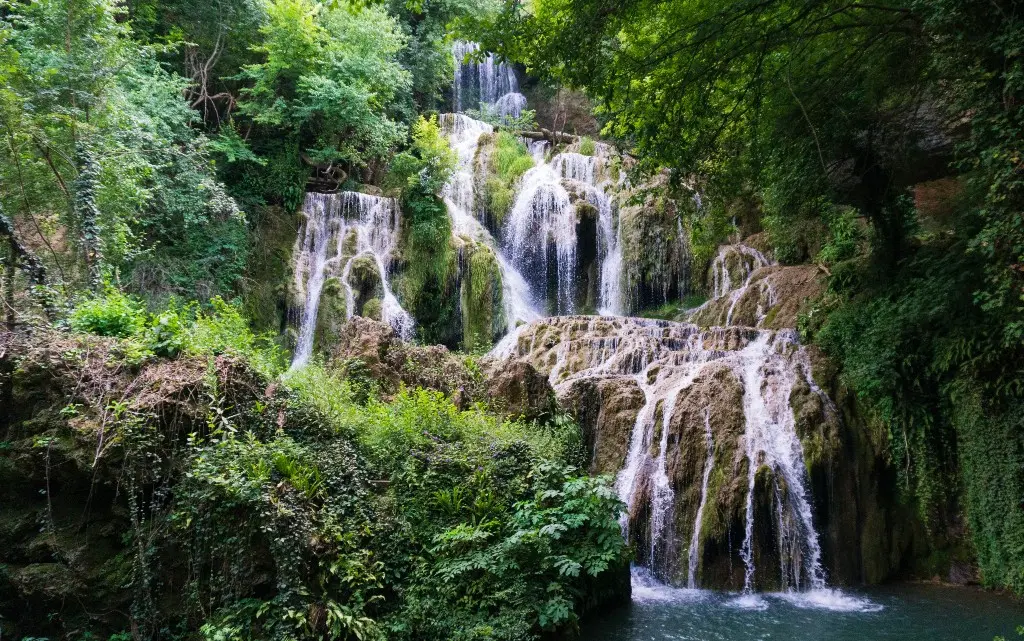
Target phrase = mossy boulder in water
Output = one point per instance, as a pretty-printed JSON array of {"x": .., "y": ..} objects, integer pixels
[{"x": 481, "y": 296}]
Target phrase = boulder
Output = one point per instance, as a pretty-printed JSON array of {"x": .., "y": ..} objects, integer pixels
[
  {"x": 371, "y": 347},
  {"x": 516, "y": 389},
  {"x": 606, "y": 410},
  {"x": 511, "y": 388}
]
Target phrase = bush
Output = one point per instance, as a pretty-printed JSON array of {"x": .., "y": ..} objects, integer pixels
[
  {"x": 511, "y": 158},
  {"x": 111, "y": 314},
  {"x": 180, "y": 329},
  {"x": 587, "y": 146}
]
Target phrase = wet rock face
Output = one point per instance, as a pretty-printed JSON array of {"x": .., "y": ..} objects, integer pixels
[
  {"x": 714, "y": 402},
  {"x": 516, "y": 389},
  {"x": 606, "y": 411},
  {"x": 655, "y": 252},
  {"x": 749, "y": 291},
  {"x": 689, "y": 420}
]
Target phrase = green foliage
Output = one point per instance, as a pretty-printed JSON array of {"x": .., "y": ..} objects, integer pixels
[
  {"x": 479, "y": 527},
  {"x": 587, "y": 146},
  {"x": 181, "y": 329},
  {"x": 304, "y": 509},
  {"x": 329, "y": 75},
  {"x": 111, "y": 314},
  {"x": 425, "y": 284},
  {"x": 100, "y": 153},
  {"x": 509, "y": 160},
  {"x": 481, "y": 298}
]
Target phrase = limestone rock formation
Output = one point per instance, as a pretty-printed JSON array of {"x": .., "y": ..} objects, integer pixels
[
  {"x": 373, "y": 349},
  {"x": 738, "y": 469}
]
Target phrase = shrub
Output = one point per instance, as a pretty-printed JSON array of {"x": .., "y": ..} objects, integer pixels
[
  {"x": 587, "y": 146},
  {"x": 111, "y": 314},
  {"x": 511, "y": 158}
]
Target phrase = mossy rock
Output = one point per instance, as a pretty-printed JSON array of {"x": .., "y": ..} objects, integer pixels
[
  {"x": 373, "y": 309},
  {"x": 269, "y": 296},
  {"x": 481, "y": 297}
]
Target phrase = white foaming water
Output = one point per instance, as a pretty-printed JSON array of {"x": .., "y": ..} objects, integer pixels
[
  {"x": 709, "y": 464},
  {"x": 510, "y": 106},
  {"x": 664, "y": 359},
  {"x": 747, "y": 261},
  {"x": 826, "y": 599},
  {"x": 339, "y": 228},
  {"x": 483, "y": 81},
  {"x": 647, "y": 589},
  {"x": 768, "y": 375},
  {"x": 748, "y": 602},
  {"x": 543, "y": 218},
  {"x": 460, "y": 198}
]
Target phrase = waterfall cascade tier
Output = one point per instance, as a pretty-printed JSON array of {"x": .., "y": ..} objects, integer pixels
[
  {"x": 563, "y": 225},
  {"x": 351, "y": 237},
  {"x": 459, "y": 194},
  {"x": 713, "y": 427},
  {"x": 484, "y": 82}
]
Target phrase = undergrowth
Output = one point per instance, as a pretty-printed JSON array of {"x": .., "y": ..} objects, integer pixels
[{"x": 306, "y": 506}]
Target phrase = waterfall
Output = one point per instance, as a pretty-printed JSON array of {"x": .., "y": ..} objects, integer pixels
[
  {"x": 693, "y": 555},
  {"x": 460, "y": 198},
  {"x": 541, "y": 229},
  {"x": 665, "y": 359},
  {"x": 540, "y": 233},
  {"x": 771, "y": 442},
  {"x": 339, "y": 228},
  {"x": 484, "y": 82},
  {"x": 543, "y": 218}
]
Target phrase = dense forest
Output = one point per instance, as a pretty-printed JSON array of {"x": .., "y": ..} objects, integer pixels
[{"x": 203, "y": 436}]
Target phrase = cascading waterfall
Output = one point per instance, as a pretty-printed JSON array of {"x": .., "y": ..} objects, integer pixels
[
  {"x": 540, "y": 233},
  {"x": 665, "y": 359},
  {"x": 544, "y": 217},
  {"x": 541, "y": 229},
  {"x": 693, "y": 555},
  {"x": 484, "y": 82},
  {"x": 460, "y": 198},
  {"x": 771, "y": 441},
  {"x": 539, "y": 249},
  {"x": 339, "y": 228}
]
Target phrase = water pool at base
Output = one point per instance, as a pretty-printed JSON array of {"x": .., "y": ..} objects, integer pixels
[{"x": 914, "y": 612}]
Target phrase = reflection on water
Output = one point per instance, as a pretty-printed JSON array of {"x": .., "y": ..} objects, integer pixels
[{"x": 905, "y": 613}]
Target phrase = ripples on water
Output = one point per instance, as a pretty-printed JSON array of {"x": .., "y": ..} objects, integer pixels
[{"x": 905, "y": 613}]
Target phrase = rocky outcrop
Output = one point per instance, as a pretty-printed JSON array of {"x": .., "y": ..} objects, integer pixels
[
  {"x": 774, "y": 298},
  {"x": 655, "y": 247},
  {"x": 689, "y": 400},
  {"x": 606, "y": 410},
  {"x": 372, "y": 350},
  {"x": 517, "y": 390},
  {"x": 91, "y": 445}
]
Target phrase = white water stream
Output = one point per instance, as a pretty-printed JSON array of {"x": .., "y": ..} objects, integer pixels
[{"x": 339, "y": 228}]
